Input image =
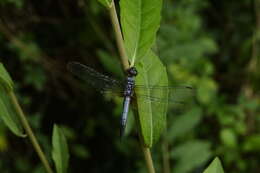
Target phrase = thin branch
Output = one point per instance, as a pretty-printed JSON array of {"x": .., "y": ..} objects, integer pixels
[
  {"x": 148, "y": 159},
  {"x": 30, "y": 133},
  {"x": 119, "y": 37}
]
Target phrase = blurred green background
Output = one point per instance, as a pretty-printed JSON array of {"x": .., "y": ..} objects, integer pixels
[{"x": 211, "y": 44}]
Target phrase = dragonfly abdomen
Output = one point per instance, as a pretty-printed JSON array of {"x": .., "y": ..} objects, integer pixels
[{"x": 123, "y": 120}]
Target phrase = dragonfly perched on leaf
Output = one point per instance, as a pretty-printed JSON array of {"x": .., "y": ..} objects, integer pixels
[{"x": 127, "y": 89}]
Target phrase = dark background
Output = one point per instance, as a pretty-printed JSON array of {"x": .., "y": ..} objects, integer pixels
[{"x": 212, "y": 45}]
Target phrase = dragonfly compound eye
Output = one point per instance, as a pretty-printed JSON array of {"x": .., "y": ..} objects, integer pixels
[{"x": 132, "y": 71}]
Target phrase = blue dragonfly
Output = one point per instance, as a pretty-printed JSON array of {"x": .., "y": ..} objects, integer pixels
[{"x": 177, "y": 95}]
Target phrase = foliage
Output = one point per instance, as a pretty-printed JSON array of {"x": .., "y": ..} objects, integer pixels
[
  {"x": 60, "y": 150},
  {"x": 152, "y": 115},
  {"x": 140, "y": 20},
  {"x": 210, "y": 45},
  {"x": 215, "y": 167},
  {"x": 7, "y": 111}
]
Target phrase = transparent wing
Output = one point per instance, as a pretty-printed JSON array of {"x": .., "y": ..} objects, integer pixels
[
  {"x": 97, "y": 80},
  {"x": 180, "y": 94}
]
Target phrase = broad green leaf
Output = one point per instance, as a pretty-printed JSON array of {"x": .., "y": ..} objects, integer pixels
[
  {"x": 215, "y": 167},
  {"x": 106, "y": 3},
  {"x": 5, "y": 79},
  {"x": 60, "y": 151},
  {"x": 191, "y": 155},
  {"x": 182, "y": 125},
  {"x": 8, "y": 113},
  {"x": 152, "y": 115},
  {"x": 140, "y": 20}
]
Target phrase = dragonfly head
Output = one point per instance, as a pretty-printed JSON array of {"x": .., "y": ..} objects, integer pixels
[{"x": 132, "y": 71}]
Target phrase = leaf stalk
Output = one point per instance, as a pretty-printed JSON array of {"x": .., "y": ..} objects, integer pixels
[
  {"x": 118, "y": 35},
  {"x": 30, "y": 133},
  {"x": 148, "y": 159}
]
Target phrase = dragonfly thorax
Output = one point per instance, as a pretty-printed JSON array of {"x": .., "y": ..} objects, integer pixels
[{"x": 129, "y": 87}]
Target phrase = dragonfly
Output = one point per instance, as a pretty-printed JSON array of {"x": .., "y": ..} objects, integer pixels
[{"x": 128, "y": 89}]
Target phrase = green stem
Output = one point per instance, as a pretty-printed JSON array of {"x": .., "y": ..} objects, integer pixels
[
  {"x": 119, "y": 37},
  {"x": 30, "y": 133},
  {"x": 148, "y": 159},
  {"x": 125, "y": 63}
]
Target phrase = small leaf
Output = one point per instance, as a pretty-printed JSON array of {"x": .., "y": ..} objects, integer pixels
[
  {"x": 206, "y": 90},
  {"x": 60, "y": 151},
  {"x": 152, "y": 115},
  {"x": 106, "y": 3},
  {"x": 8, "y": 113},
  {"x": 7, "y": 110},
  {"x": 228, "y": 137},
  {"x": 252, "y": 143},
  {"x": 215, "y": 167},
  {"x": 5, "y": 79},
  {"x": 140, "y": 20}
]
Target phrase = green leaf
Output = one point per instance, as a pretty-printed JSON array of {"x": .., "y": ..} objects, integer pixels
[
  {"x": 106, "y": 3},
  {"x": 60, "y": 151},
  {"x": 5, "y": 79},
  {"x": 152, "y": 115},
  {"x": 7, "y": 110},
  {"x": 140, "y": 20},
  {"x": 9, "y": 114},
  {"x": 206, "y": 90},
  {"x": 185, "y": 123},
  {"x": 215, "y": 167},
  {"x": 185, "y": 153},
  {"x": 252, "y": 143},
  {"x": 228, "y": 137}
]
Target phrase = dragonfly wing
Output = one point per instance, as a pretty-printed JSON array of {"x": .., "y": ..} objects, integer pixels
[
  {"x": 180, "y": 94},
  {"x": 101, "y": 82}
]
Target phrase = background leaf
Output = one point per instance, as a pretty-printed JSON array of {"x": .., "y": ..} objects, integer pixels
[
  {"x": 215, "y": 167},
  {"x": 60, "y": 151},
  {"x": 186, "y": 154},
  {"x": 9, "y": 115},
  {"x": 5, "y": 78},
  {"x": 152, "y": 115},
  {"x": 7, "y": 110},
  {"x": 184, "y": 123},
  {"x": 140, "y": 20}
]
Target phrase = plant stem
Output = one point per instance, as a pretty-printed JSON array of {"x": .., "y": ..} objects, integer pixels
[
  {"x": 148, "y": 159},
  {"x": 119, "y": 37},
  {"x": 30, "y": 133},
  {"x": 125, "y": 63}
]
